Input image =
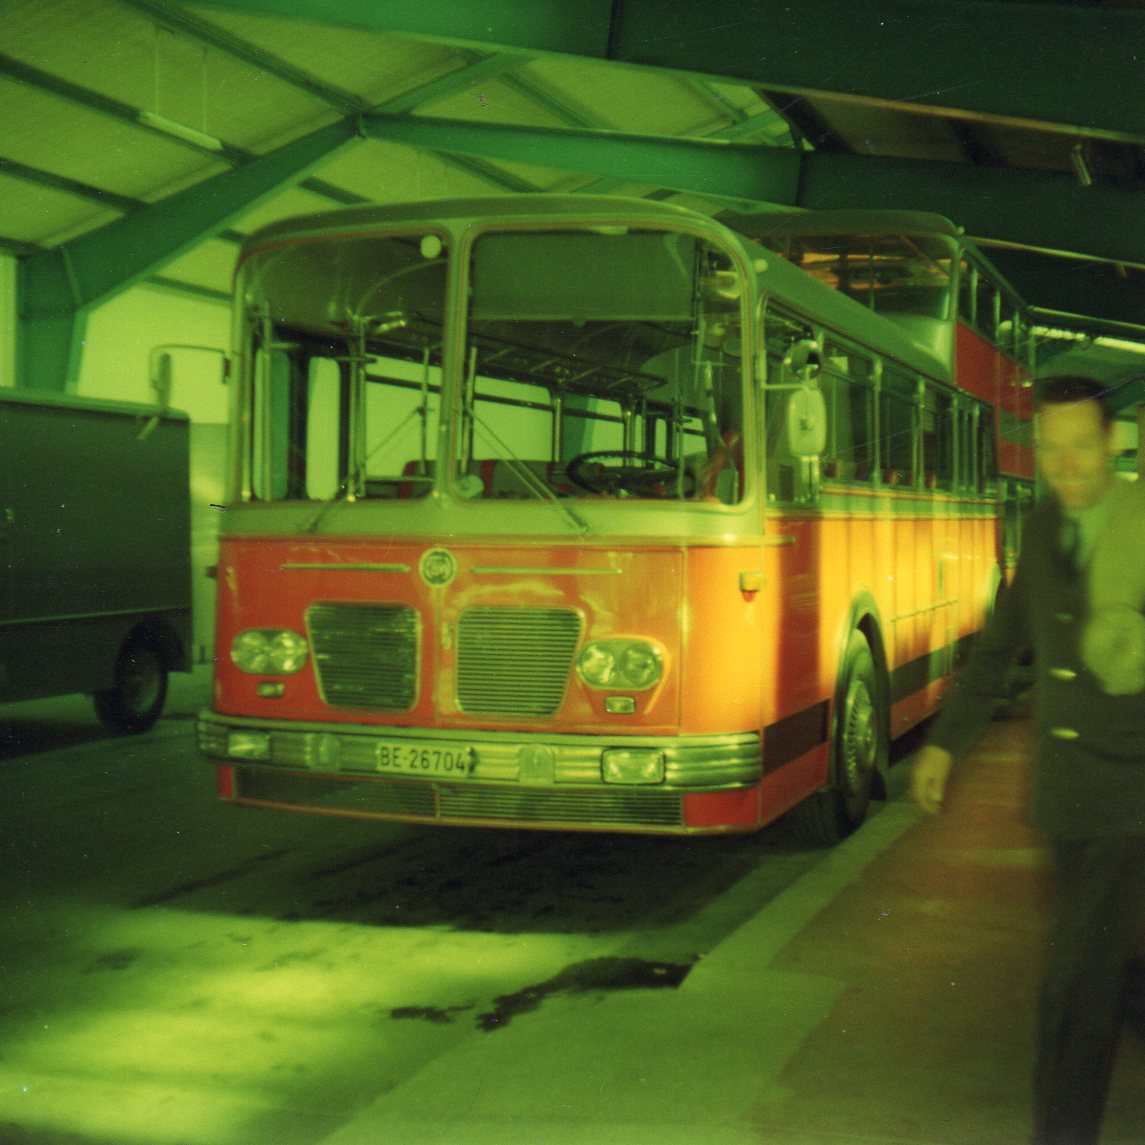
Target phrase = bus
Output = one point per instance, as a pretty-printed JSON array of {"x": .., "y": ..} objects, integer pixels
[
  {"x": 920, "y": 271},
  {"x": 583, "y": 513}
]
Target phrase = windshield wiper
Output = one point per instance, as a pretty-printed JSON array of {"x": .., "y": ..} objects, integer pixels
[{"x": 530, "y": 480}]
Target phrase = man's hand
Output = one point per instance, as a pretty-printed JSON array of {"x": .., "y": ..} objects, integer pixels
[{"x": 928, "y": 777}]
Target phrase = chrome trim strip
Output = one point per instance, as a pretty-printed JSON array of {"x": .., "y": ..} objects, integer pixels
[
  {"x": 713, "y": 762},
  {"x": 293, "y": 566},
  {"x": 495, "y": 570}
]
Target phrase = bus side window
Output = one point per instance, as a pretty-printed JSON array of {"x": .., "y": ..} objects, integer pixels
[
  {"x": 847, "y": 384},
  {"x": 938, "y": 440},
  {"x": 967, "y": 290},
  {"x": 968, "y": 479},
  {"x": 898, "y": 406},
  {"x": 987, "y": 454},
  {"x": 789, "y": 478},
  {"x": 986, "y": 310}
]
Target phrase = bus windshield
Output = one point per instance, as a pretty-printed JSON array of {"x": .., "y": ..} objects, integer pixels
[{"x": 602, "y": 362}]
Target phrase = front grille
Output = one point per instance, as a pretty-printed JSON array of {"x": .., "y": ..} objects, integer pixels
[
  {"x": 263, "y": 785},
  {"x": 365, "y": 655},
  {"x": 612, "y": 808},
  {"x": 515, "y": 661},
  {"x": 429, "y": 801}
]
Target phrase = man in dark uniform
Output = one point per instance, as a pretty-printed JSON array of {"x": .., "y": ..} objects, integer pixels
[{"x": 1089, "y": 773}]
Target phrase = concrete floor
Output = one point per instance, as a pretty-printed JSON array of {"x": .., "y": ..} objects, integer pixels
[{"x": 885, "y": 996}]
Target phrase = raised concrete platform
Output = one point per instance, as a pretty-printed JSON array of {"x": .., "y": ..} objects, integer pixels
[{"x": 888, "y": 997}]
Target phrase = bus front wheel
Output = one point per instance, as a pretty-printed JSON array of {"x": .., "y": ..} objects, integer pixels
[
  {"x": 133, "y": 703},
  {"x": 858, "y": 751}
]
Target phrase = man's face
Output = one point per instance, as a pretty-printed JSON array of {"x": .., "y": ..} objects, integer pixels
[{"x": 1075, "y": 452}]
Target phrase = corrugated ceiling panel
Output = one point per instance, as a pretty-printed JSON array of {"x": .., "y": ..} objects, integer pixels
[
  {"x": 41, "y": 215},
  {"x": 211, "y": 265},
  {"x": 629, "y": 99},
  {"x": 885, "y": 131},
  {"x": 392, "y": 173},
  {"x": 45, "y": 132},
  {"x": 157, "y": 70},
  {"x": 492, "y": 101},
  {"x": 296, "y": 201},
  {"x": 374, "y": 67},
  {"x": 96, "y": 44}
]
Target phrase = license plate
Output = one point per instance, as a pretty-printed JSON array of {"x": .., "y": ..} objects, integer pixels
[{"x": 444, "y": 759}]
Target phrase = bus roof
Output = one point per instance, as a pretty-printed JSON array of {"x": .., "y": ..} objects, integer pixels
[
  {"x": 777, "y": 224},
  {"x": 758, "y": 223},
  {"x": 814, "y": 299},
  {"x": 490, "y": 207}
]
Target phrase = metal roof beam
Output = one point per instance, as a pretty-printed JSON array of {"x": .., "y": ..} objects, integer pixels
[
  {"x": 210, "y": 35},
  {"x": 42, "y": 178},
  {"x": 58, "y": 288},
  {"x": 1074, "y": 67},
  {"x": 719, "y": 169},
  {"x": 1101, "y": 221}
]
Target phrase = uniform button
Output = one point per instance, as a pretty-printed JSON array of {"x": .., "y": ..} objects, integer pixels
[
  {"x": 1065, "y": 733},
  {"x": 1063, "y": 673}
]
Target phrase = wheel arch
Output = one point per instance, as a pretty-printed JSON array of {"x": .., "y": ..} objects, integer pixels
[
  {"x": 157, "y": 633},
  {"x": 863, "y": 617}
]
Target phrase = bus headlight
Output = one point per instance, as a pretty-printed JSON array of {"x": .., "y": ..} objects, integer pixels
[
  {"x": 269, "y": 651},
  {"x": 640, "y": 665},
  {"x": 596, "y": 665},
  {"x": 628, "y": 665}
]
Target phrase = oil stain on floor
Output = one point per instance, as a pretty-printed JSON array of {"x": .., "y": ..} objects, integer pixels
[{"x": 595, "y": 975}]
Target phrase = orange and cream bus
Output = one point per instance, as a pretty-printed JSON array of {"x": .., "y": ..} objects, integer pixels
[
  {"x": 921, "y": 272},
  {"x": 585, "y": 513}
]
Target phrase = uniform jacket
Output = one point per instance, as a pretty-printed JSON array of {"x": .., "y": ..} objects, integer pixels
[{"x": 1089, "y": 769}]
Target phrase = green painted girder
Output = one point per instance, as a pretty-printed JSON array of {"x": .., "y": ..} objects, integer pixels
[
  {"x": 1080, "y": 67},
  {"x": 58, "y": 288},
  {"x": 720, "y": 169},
  {"x": 81, "y": 190},
  {"x": 1102, "y": 221}
]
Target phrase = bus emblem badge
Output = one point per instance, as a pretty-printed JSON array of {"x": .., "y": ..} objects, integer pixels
[{"x": 438, "y": 567}]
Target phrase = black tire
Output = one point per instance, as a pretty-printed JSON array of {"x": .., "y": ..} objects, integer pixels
[
  {"x": 858, "y": 753},
  {"x": 134, "y": 702}
]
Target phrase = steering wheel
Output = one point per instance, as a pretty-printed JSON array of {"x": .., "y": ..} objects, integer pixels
[{"x": 649, "y": 478}]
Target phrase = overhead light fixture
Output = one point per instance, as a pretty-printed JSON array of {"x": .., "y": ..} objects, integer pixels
[
  {"x": 1080, "y": 167},
  {"x": 180, "y": 130}
]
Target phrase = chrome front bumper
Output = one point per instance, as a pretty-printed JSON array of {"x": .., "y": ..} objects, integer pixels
[{"x": 515, "y": 759}]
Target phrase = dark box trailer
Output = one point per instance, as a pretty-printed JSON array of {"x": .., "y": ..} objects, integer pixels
[{"x": 95, "y": 571}]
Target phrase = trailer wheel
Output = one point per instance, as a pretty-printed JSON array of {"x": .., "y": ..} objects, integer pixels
[
  {"x": 858, "y": 750},
  {"x": 134, "y": 702}
]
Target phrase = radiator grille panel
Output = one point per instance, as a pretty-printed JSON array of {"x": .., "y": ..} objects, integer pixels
[
  {"x": 305, "y": 791},
  {"x": 654, "y": 810},
  {"x": 616, "y": 808},
  {"x": 515, "y": 661},
  {"x": 365, "y": 655}
]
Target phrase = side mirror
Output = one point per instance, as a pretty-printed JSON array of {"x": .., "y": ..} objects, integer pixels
[
  {"x": 161, "y": 381},
  {"x": 161, "y": 372},
  {"x": 803, "y": 359},
  {"x": 806, "y": 423}
]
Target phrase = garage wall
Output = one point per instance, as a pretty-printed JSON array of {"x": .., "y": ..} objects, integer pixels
[
  {"x": 7, "y": 320},
  {"x": 122, "y": 333}
]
